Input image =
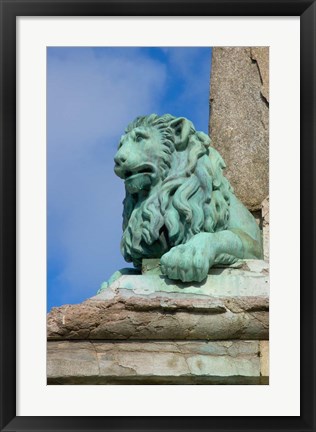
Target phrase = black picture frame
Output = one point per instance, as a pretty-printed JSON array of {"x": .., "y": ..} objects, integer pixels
[{"x": 10, "y": 9}]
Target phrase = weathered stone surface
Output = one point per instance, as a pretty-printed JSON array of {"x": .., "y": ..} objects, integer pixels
[
  {"x": 151, "y": 362},
  {"x": 239, "y": 123},
  {"x": 264, "y": 358},
  {"x": 233, "y": 303},
  {"x": 76, "y": 359}
]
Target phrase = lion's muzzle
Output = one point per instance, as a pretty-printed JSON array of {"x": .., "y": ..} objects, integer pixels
[{"x": 136, "y": 178}]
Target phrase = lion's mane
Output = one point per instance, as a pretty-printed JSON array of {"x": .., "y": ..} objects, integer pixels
[{"x": 186, "y": 201}]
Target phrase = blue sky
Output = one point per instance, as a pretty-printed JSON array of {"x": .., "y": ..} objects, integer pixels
[{"x": 92, "y": 94}]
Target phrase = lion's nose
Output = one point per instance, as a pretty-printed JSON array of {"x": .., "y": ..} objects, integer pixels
[{"x": 119, "y": 159}]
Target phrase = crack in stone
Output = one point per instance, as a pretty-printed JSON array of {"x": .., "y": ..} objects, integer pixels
[
  {"x": 264, "y": 100},
  {"x": 254, "y": 60}
]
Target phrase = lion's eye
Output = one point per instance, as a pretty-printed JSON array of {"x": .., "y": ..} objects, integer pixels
[{"x": 139, "y": 138}]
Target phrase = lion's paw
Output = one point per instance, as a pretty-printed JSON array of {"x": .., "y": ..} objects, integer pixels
[{"x": 186, "y": 262}]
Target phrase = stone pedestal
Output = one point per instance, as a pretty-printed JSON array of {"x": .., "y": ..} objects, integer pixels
[{"x": 145, "y": 329}]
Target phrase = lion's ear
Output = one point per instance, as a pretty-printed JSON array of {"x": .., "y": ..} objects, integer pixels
[{"x": 182, "y": 128}]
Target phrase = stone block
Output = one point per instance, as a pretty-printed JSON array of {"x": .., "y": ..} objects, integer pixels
[{"x": 154, "y": 362}]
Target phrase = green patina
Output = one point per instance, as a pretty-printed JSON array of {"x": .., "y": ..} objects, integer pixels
[{"x": 179, "y": 207}]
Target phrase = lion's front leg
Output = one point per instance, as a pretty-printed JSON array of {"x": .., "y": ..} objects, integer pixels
[{"x": 191, "y": 261}]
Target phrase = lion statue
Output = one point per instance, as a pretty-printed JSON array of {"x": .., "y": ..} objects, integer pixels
[{"x": 179, "y": 207}]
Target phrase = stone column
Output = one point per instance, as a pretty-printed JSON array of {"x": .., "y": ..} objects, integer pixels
[{"x": 239, "y": 119}]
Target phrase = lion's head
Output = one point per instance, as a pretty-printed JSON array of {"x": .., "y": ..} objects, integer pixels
[{"x": 174, "y": 185}]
